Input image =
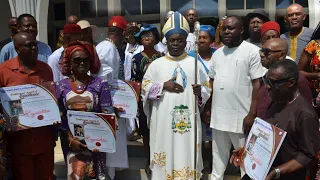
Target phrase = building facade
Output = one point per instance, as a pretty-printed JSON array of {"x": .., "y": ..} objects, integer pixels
[{"x": 51, "y": 14}]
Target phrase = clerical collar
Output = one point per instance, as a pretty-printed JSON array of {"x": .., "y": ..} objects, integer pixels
[{"x": 176, "y": 58}]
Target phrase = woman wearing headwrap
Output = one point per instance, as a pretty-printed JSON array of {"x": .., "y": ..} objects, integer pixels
[
  {"x": 206, "y": 37},
  {"x": 148, "y": 37},
  {"x": 309, "y": 66},
  {"x": 81, "y": 92}
]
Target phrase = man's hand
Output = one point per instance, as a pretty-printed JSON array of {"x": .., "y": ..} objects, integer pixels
[
  {"x": 76, "y": 145},
  {"x": 196, "y": 89},
  {"x": 236, "y": 157},
  {"x": 172, "y": 86},
  {"x": 247, "y": 123},
  {"x": 271, "y": 175}
]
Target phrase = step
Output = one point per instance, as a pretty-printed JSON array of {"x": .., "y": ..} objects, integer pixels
[{"x": 137, "y": 160}]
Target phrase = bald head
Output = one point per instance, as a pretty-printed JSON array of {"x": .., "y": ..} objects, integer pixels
[
  {"x": 12, "y": 25},
  {"x": 73, "y": 19},
  {"x": 295, "y": 6},
  {"x": 276, "y": 44},
  {"x": 274, "y": 49},
  {"x": 22, "y": 37},
  {"x": 13, "y": 21},
  {"x": 294, "y": 17},
  {"x": 26, "y": 46}
]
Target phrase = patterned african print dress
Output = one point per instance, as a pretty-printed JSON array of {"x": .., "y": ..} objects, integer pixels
[
  {"x": 94, "y": 97},
  {"x": 313, "y": 48}
]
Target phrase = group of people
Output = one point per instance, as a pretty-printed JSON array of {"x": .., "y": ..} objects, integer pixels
[{"x": 270, "y": 76}]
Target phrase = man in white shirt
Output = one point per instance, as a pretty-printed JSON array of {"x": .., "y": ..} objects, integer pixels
[
  {"x": 235, "y": 72},
  {"x": 71, "y": 33}
]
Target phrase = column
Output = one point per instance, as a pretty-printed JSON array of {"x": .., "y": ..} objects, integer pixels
[
  {"x": 222, "y": 8},
  {"x": 114, "y": 8},
  {"x": 37, "y": 8},
  {"x": 270, "y": 7},
  {"x": 314, "y": 13},
  {"x": 165, "y": 6}
]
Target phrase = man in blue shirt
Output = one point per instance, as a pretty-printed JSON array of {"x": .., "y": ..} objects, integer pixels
[{"x": 26, "y": 23}]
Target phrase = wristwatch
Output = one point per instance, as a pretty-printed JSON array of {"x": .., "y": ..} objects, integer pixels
[{"x": 277, "y": 170}]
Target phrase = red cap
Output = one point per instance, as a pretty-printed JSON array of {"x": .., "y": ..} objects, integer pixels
[
  {"x": 71, "y": 28},
  {"x": 271, "y": 25},
  {"x": 118, "y": 21}
]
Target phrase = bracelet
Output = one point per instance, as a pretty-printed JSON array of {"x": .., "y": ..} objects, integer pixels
[{"x": 71, "y": 142}]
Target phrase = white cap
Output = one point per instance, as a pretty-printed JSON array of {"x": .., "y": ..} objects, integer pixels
[{"x": 83, "y": 24}]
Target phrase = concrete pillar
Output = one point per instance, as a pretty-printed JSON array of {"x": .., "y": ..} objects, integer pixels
[
  {"x": 270, "y": 7},
  {"x": 222, "y": 8},
  {"x": 38, "y": 9},
  {"x": 314, "y": 13},
  {"x": 114, "y": 8},
  {"x": 165, "y": 6}
]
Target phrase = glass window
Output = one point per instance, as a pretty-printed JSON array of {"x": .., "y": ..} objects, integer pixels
[
  {"x": 235, "y": 4},
  {"x": 59, "y": 11},
  {"x": 207, "y": 8},
  {"x": 254, "y": 4},
  {"x": 88, "y": 9},
  {"x": 150, "y": 6},
  {"x": 102, "y": 8},
  {"x": 283, "y": 4},
  {"x": 181, "y": 5},
  {"x": 130, "y": 7},
  {"x": 303, "y": 3}
]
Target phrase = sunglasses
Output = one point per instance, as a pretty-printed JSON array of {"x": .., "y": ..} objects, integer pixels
[
  {"x": 275, "y": 83},
  {"x": 267, "y": 52},
  {"x": 80, "y": 60}
]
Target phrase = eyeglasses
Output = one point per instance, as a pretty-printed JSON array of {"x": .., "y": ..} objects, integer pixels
[
  {"x": 275, "y": 83},
  {"x": 80, "y": 60},
  {"x": 267, "y": 52},
  {"x": 147, "y": 36}
]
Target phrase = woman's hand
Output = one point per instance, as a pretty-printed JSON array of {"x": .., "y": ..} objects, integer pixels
[
  {"x": 236, "y": 157},
  {"x": 76, "y": 145}
]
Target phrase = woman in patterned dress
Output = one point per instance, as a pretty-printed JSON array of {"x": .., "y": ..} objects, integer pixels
[
  {"x": 81, "y": 92},
  {"x": 148, "y": 37},
  {"x": 309, "y": 66}
]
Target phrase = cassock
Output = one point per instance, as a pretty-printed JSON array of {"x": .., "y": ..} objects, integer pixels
[{"x": 171, "y": 117}]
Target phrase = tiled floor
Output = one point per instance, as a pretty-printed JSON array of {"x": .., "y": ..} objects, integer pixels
[{"x": 136, "y": 171}]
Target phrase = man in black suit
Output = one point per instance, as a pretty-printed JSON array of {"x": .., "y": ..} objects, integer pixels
[{"x": 12, "y": 25}]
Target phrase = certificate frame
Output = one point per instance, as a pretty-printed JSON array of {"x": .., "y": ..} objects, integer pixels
[
  {"x": 16, "y": 115},
  {"x": 261, "y": 148}
]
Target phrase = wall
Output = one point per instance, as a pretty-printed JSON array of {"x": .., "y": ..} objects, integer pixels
[{"x": 5, "y": 15}]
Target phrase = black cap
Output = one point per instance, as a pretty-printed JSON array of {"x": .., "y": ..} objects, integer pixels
[{"x": 261, "y": 13}]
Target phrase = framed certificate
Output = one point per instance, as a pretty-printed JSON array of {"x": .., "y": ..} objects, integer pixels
[
  {"x": 98, "y": 130},
  {"x": 29, "y": 106},
  {"x": 125, "y": 96},
  {"x": 261, "y": 148}
]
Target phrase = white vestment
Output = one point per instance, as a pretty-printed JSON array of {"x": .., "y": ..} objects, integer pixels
[{"x": 171, "y": 118}]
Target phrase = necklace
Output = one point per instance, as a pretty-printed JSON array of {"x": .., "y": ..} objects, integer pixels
[
  {"x": 290, "y": 102},
  {"x": 75, "y": 85}
]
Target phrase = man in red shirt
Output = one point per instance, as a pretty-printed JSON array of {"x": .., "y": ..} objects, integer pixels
[{"x": 32, "y": 149}]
